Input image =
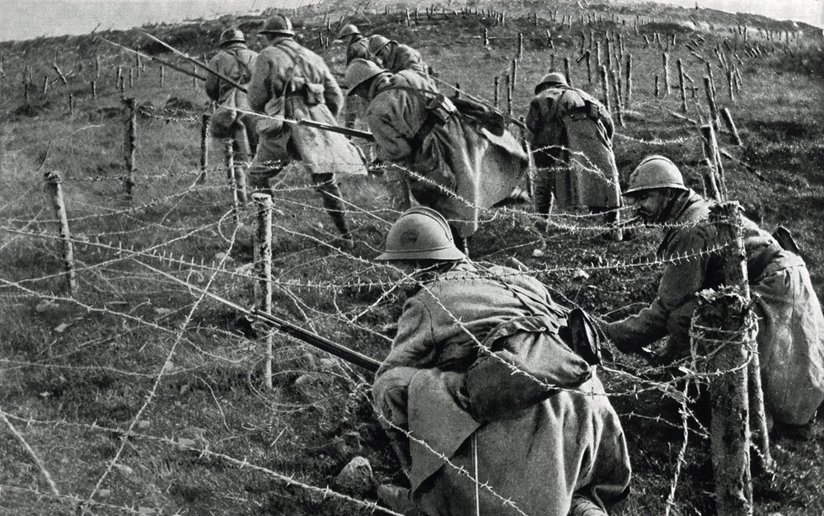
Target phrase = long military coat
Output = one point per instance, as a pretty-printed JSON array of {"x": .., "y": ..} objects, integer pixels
[
  {"x": 790, "y": 323},
  {"x": 234, "y": 61},
  {"x": 538, "y": 457},
  {"x": 459, "y": 168},
  {"x": 577, "y": 143},
  {"x": 403, "y": 57},
  {"x": 291, "y": 81}
]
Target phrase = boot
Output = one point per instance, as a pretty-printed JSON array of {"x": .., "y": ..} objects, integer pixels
[{"x": 333, "y": 203}]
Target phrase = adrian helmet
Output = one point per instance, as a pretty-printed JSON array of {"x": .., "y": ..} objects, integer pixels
[
  {"x": 550, "y": 78},
  {"x": 348, "y": 30},
  {"x": 359, "y": 71},
  {"x": 278, "y": 25},
  {"x": 420, "y": 233},
  {"x": 376, "y": 43},
  {"x": 655, "y": 172},
  {"x": 231, "y": 36}
]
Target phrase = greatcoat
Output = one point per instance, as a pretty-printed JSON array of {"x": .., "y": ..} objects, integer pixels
[
  {"x": 459, "y": 168},
  {"x": 291, "y": 81},
  {"x": 572, "y": 136},
  {"x": 234, "y": 61},
  {"x": 790, "y": 323},
  {"x": 540, "y": 456}
]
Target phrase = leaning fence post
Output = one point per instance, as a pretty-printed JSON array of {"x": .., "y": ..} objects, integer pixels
[
  {"x": 53, "y": 185},
  {"x": 715, "y": 187},
  {"x": 263, "y": 268},
  {"x": 508, "y": 84},
  {"x": 229, "y": 151},
  {"x": 681, "y": 86},
  {"x": 728, "y": 121},
  {"x": 588, "y": 54},
  {"x": 130, "y": 145}
]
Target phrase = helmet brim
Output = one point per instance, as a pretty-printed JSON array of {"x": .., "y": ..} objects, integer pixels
[
  {"x": 632, "y": 191},
  {"x": 276, "y": 32},
  {"x": 449, "y": 254}
]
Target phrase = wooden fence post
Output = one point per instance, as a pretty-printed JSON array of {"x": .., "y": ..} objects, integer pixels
[
  {"x": 681, "y": 86},
  {"x": 530, "y": 171},
  {"x": 714, "y": 184},
  {"x": 130, "y": 145},
  {"x": 263, "y": 267},
  {"x": 229, "y": 152},
  {"x": 727, "y": 118},
  {"x": 26, "y": 91},
  {"x": 162, "y": 75},
  {"x": 96, "y": 67},
  {"x": 508, "y": 95},
  {"x": 616, "y": 90},
  {"x": 495, "y": 90},
  {"x": 520, "y": 53},
  {"x": 55, "y": 189},
  {"x": 589, "y": 66},
  {"x": 665, "y": 58},
  {"x": 204, "y": 147},
  {"x": 711, "y": 103},
  {"x": 628, "y": 92},
  {"x": 598, "y": 55},
  {"x": 605, "y": 88},
  {"x": 45, "y": 84},
  {"x": 513, "y": 73},
  {"x": 93, "y": 85},
  {"x": 486, "y": 37},
  {"x": 71, "y": 104},
  {"x": 567, "y": 73}
]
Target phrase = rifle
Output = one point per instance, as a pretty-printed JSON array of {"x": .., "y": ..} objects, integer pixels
[
  {"x": 311, "y": 338},
  {"x": 173, "y": 66},
  {"x": 198, "y": 63},
  {"x": 486, "y": 104},
  {"x": 318, "y": 125}
]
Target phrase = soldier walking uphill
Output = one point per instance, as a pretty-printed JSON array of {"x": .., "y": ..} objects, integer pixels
[
  {"x": 235, "y": 61},
  {"x": 292, "y": 82},
  {"x": 790, "y": 324},
  {"x": 572, "y": 140},
  {"x": 546, "y": 441},
  {"x": 459, "y": 167},
  {"x": 357, "y": 46}
]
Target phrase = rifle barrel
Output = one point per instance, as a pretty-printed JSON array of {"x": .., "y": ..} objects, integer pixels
[{"x": 173, "y": 66}]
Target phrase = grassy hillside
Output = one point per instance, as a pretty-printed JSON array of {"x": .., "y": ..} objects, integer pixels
[{"x": 138, "y": 394}]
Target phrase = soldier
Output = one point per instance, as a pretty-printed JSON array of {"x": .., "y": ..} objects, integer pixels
[
  {"x": 457, "y": 166},
  {"x": 292, "y": 82},
  {"x": 790, "y": 323},
  {"x": 571, "y": 135},
  {"x": 357, "y": 46},
  {"x": 235, "y": 61},
  {"x": 395, "y": 56},
  {"x": 547, "y": 440}
]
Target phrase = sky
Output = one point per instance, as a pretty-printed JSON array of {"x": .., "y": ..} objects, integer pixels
[{"x": 25, "y": 19}]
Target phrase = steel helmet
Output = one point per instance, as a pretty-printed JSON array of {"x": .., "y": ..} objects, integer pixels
[
  {"x": 348, "y": 30},
  {"x": 359, "y": 71},
  {"x": 551, "y": 78},
  {"x": 376, "y": 43},
  {"x": 278, "y": 25},
  {"x": 655, "y": 172},
  {"x": 231, "y": 36},
  {"x": 420, "y": 233}
]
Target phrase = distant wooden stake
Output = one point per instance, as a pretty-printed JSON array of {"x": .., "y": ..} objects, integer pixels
[
  {"x": 71, "y": 104},
  {"x": 263, "y": 267},
  {"x": 665, "y": 58},
  {"x": 681, "y": 86},
  {"x": 55, "y": 189},
  {"x": 96, "y": 67},
  {"x": 520, "y": 53},
  {"x": 495, "y": 89},
  {"x": 730, "y": 124},
  {"x": 605, "y": 88},
  {"x": 162, "y": 75},
  {"x": 60, "y": 74},
  {"x": 130, "y": 147},
  {"x": 45, "y": 85},
  {"x": 616, "y": 91},
  {"x": 714, "y": 184},
  {"x": 567, "y": 73},
  {"x": 589, "y": 66},
  {"x": 26, "y": 91},
  {"x": 486, "y": 37},
  {"x": 508, "y": 95},
  {"x": 513, "y": 73},
  {"x": 93, "y": 86},
  {"x": 711, "y": 103},
  {"x": 628, "y": 92},
  {"x": 131, "y": 78},
  {"x": 657, "y": 90}
]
